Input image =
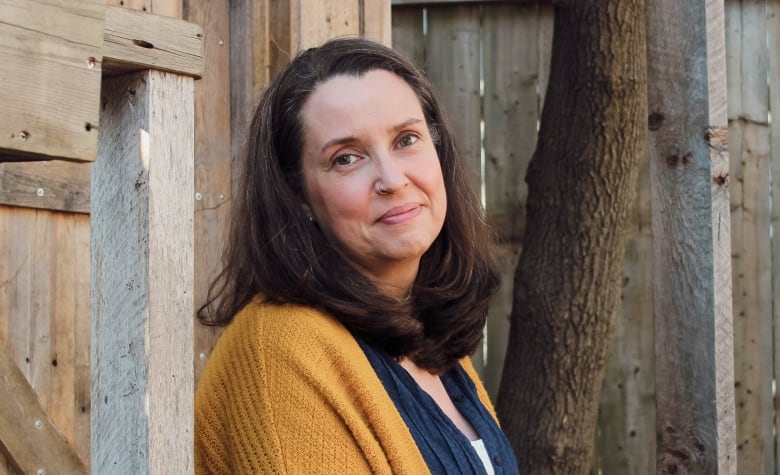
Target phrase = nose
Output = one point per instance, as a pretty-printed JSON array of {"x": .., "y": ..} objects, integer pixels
[{"x": 391, "y": 175}]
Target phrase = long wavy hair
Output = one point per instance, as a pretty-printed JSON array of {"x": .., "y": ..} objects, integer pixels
[{"x": 276, "y": 252}]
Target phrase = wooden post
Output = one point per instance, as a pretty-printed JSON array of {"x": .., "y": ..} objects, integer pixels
[
  {"x": 142, "y": 276},
  {"x": 691, "y": 230}
]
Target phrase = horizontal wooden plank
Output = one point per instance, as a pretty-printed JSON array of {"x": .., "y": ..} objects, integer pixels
[
  {"x": 27, "y": 437},
  {"x": 136, "y": 40},
  {"x": 50, "y": 72},
  {"x": 56, "y": 185}
]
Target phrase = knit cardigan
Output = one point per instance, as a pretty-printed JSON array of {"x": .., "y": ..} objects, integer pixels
[{"x": 288, "y": 389}]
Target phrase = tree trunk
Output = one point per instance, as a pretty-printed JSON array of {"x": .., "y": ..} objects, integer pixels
[{"x": 581, "y": 181}]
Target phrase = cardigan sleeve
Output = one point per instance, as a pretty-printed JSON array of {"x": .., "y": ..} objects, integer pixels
[{"x": 283, "y": 394}]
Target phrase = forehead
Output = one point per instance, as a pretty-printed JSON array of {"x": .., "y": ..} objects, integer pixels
[{"x": 346, "y": 104}]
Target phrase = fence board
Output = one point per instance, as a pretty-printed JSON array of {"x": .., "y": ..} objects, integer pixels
[
  {"x": 626, "y": 437},
  {"x": 511, "y": 112},
  {"x": 44, "y": 300},
  {"x": 452, "y": 56},
  {"x": 408, "y": 38},
  {"x": 691, "y": 230},
  {"x": 773, "y": 34},
  {"x": 213, "y": 170},
  {"x": 751, "y": 247}
]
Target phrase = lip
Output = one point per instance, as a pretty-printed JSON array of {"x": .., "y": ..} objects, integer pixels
[{"x": 400, "y": 214}]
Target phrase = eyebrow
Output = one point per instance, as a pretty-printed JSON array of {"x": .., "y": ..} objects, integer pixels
[{"x": 393, "y": 130}]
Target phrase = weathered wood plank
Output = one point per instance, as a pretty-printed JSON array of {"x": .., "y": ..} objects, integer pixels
[
  {"x": 171, "y": 8},
  {"x": 511, "y": 111},
  {"x": 213, "y": 165},
  {"x": 136, "y": 40},
  {"x": 44, "y": 284},
  {"x": 376, "y": 21},
  {"x": 626, "y": 435},
  {"x": 142, "y": 237},
  {"x": 50, "y": 71},
  {"x": 453, "y": 56},
  {"x": 747, "y": 57},
  {"x": 54, "y": 185},
  {"x": 320, "y": 20},
  {"x": 408, "y": 38},
  {"x": 773, "y": 37},
  {"x": 691, "y": 229},
  {"x": 28, "y": 438}
]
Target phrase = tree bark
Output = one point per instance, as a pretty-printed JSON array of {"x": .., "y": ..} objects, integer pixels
[{"x": 581, "y": 181}]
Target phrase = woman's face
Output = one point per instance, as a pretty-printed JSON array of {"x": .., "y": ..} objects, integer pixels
[{"x": 372, "y": 177}]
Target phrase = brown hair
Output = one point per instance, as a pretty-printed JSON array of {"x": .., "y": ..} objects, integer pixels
[{"x": 274, "y": 250}]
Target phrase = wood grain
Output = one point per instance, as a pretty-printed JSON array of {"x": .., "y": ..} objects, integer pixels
[
  {"x": 408, "y": 38},
  {"x": 452, "y": 64},
  {"x": 142, "y": 277},
  {"x": 44, "y": 300},
  {"x": 749, "y": 186},
  {"x": 27, "y": 436},
  {"x": 50, "y": 69},
  {"x": 213, "y": 164},
  {"x": 511, "y": 112},
  {"x": 55, "y": 185},
  {"x": 136, "y": 40},
  {"x": 692, "y": 268}
]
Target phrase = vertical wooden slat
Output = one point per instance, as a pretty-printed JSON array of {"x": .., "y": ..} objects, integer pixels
[
  {"x": 626, "y": 434},
  {"x": 376, "y": 21},
  {"x": 44, "y": 294},
  {"x": 142, "y": 276},
  {"x": 213, "y": 164},
  {"x": 751, "y": 247},
  {"x": 408, "y": 38},
  {"x": 773, "y": 37},
  {"x": 691, "y": 230},
  {"x": 453, "y": 58},
  {"x": 511, "y": 110},
  {"x": 320, "y": 20}
]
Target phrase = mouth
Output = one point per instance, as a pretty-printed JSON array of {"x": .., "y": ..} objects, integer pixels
[{"x": 400, "y": 214}]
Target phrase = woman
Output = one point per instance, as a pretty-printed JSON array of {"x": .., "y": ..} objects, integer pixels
[{"x": 356, "y": 286}]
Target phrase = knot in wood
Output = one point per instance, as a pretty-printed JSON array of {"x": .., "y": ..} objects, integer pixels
[{"x": 717, "y": 138}]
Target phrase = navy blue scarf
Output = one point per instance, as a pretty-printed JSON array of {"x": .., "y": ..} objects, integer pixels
[{"x": 443, "y": 446}]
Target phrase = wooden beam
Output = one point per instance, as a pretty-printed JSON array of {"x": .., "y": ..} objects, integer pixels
[
  {"x": 50, "y": 75},
  {"x": 142, "y": 276},
  {"x": 691, "y": 237},
  {"x": 136, "y": 40},
  {"x": 56, "y": 185},
  {"x": 28, "y": 438}
]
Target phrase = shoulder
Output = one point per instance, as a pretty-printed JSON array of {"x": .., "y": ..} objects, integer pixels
[{"x": 282, "y": 336}]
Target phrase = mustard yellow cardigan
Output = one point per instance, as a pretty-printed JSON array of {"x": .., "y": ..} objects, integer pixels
[{"x": 287, "y": 389}]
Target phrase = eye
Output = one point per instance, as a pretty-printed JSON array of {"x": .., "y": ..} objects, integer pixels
[
  {"x": 407, "y": 140},
  {"x": 345, "y": 159}
]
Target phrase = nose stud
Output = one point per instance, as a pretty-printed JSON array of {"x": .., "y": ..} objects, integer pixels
[{"x": 381, "y": 190}]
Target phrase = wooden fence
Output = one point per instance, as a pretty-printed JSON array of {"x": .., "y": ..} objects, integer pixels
[{"x": 489, "y": 62}]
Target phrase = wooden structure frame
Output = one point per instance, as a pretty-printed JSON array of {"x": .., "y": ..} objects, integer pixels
[{"x": 142, "y": 214}]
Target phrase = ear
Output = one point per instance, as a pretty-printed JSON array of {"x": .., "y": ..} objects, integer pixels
[{"x": 307, "y": 210}]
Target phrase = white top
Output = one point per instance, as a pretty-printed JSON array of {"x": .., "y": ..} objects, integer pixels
[{"x": 479, "y": 446}]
